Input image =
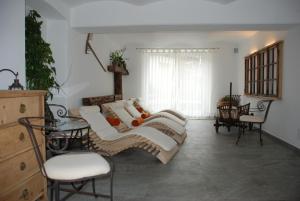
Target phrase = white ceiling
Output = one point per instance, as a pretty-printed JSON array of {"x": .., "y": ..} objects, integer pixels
[
  {"x": 73, "y": 3},
  {"x": 96, "y": 16},
  {"x": 221, "y": 1},
  {"x": 179, "y": 37}
]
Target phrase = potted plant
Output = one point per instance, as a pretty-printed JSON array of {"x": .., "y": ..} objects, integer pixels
[
  {"x": 235, "y": 99},
  {"x": 40, "y": 73},
  {"x": 118, "y": 63},
  {"x": 116, "y": 58}
]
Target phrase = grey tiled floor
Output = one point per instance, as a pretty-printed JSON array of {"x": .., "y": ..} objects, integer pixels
[{"x": 209, "y": 167}]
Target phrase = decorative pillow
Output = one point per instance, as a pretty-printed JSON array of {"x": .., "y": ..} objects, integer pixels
[
  {"x": 121, "y": 127},
  {"x": 138, "y": 106},
  {"x": 137, "y": 121},
  {"x": 140, "y": 109},
  {"x": 145, "y": 115},
  {"x": 113, "y": 121}
]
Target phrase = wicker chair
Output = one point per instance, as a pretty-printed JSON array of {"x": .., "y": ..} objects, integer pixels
[{"x": 229, "y": 116}]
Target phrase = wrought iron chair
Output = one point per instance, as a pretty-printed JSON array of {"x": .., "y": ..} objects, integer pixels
[
  {"x": 263, "y": 105},
  {"x": 75, "y": 168}
]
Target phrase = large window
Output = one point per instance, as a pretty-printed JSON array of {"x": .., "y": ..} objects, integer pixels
[
  {"x": 177, "y": 79},
  {"x": 263, "y": 72}
]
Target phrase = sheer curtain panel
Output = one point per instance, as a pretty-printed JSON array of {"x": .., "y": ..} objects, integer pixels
[{"x": 177, "y": 79}]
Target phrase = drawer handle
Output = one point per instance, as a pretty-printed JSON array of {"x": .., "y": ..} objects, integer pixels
[
  {"x": 25, "y": 194},
  {"x": 21, "y": 136},
  {"x": 22, "y": 166},
  {"x": 22, "y": 108}
]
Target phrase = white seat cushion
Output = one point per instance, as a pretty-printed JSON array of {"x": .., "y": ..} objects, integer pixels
[
  {"x": 252, "y": 119},
  {"x": 88, "y": 109},
  {"x": 173, "y": 117},
  {"x": 118, "y": 104},
  {"x": 124, "y": 116},
  {"x": 76, "y": 166},
  {"x": 170, "y": 123},
  {"x": 133, "y": 111},
  {"x": 99, "y": 124},
  {"x": 106, "y": 132},
  {"x": 157, "y": 137},
  {"x": 95, "y": 119}
]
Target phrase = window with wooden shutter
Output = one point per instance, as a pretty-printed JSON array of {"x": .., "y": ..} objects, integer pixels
[{"x": 263, "y": 72}]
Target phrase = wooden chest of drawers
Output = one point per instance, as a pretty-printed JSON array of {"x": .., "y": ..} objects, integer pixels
[{"x": 20, "y": 177}]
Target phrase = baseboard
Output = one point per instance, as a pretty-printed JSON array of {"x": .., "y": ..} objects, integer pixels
[{"x": 292, "y": 147}]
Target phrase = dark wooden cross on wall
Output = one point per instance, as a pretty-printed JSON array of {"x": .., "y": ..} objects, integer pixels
[{"x": 118, "y": 71}]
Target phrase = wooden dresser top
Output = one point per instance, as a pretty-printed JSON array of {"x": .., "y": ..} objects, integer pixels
[{"x": 21, "y": 93}]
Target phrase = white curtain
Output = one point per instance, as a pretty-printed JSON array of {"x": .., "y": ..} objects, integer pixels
[{"x": 177, "y": 79}]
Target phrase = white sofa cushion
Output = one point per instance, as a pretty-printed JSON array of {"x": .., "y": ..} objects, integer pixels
[{"x": 76, "y": 166}]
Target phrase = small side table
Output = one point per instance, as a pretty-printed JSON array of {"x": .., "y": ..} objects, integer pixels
[
  {"x": 60, "y": 132},
  {"x": 68, "y": 129}
]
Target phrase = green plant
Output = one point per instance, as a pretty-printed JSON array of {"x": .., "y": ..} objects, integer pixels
[
  {"x": 116, "y": 58},
  {"x": 235, "y": 100},
  {"x": 226, "y": 98},
  {"x": 40, "y": 74}
]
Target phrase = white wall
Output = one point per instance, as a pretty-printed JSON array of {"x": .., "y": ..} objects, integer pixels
[
  {"x": 12, "y": 40},
  {"x": 284, "y": 116},
  {"x": 56, "y": 33},
  {"x": 224, "y": 70},
  {"x": 85, "y": 76}
]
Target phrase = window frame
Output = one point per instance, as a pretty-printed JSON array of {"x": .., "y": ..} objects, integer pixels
[{"x": 263, "y": 72}]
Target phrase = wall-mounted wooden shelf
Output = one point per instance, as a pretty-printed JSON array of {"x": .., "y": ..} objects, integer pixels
[{"x": 117, "y": 69}]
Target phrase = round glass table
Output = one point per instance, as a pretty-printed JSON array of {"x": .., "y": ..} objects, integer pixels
[{"x": 61, "y": 133}]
